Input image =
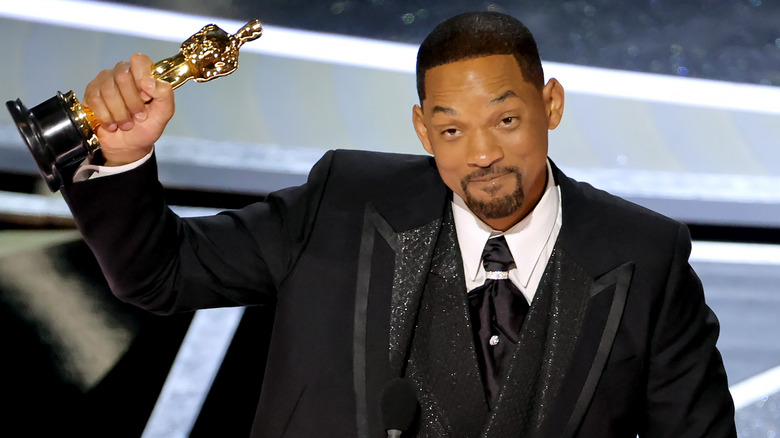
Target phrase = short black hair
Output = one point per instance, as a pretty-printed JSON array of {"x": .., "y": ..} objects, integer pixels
[{"x": 477, "y": 34}]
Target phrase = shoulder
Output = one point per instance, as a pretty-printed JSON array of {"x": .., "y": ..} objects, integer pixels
[
  {"x": 405, "y": 189},
  {"x": 374, "y": 164},
  {"x": 353, "y": 172},
  {"x": 377, "y": 172},
  {"x": 606, "y": 229},
  {"x": 611, "y": 210}
]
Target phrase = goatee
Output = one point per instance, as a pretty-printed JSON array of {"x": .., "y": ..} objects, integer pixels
[{"x": 498, "y": 207}]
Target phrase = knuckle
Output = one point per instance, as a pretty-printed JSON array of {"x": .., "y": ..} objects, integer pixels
[
  {"x": 108, "y": 89},
  {"x": 124, "y": 78},
  {"x": 91, "y": 100},
  {"x": 99, "y": 80},
  {"x": 90, "y": 92}
]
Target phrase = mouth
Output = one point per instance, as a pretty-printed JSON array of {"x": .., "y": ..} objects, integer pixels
[
  {"x": 490, "y": 184},
  {"x": 491, "y": 177},
  {"x": 489, "y": 194},
  {"x": 487, "y": 178},
  {"x": 491, "y": 181}
]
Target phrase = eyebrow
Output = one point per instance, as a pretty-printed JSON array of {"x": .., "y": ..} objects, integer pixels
[
  {"x": 507, "y": 94},
  {"x": 445, "y": 110}
]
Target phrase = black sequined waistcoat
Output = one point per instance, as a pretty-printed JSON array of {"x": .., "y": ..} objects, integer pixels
[{"x": 443, "y": 365}]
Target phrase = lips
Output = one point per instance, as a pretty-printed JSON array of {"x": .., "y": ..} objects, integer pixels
[
  {"x": 492, "y": 176},
  {"x": 489, "y": 180}
]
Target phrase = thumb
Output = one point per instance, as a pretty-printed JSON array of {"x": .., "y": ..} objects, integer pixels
[
  {"x": 156, "y": 88},
  {"x": 161, "y": 99}
]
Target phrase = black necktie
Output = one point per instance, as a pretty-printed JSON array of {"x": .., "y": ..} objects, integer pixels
[{"x": 497, "y": 309}]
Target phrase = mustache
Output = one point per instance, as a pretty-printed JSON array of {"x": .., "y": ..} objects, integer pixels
[{"x": 490, "y": 171}]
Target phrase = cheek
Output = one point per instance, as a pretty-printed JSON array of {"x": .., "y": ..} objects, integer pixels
[
  {"x": 526, "y": 148},
  {"x": 451, "y": 172},
  {"x": 527, "y": 151},
  {"x": 449, "y": 158}
]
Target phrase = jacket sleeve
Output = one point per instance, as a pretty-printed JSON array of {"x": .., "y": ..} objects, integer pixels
[
  {"x": 164, "y": 263},
  {"x": 687, "y": 388}
]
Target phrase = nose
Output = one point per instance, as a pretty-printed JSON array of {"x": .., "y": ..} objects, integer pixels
[{"x": 483, "y": 150}]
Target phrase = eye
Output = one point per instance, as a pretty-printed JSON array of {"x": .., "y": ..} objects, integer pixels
[
  {"x": 508, "y": 121},
  {"x": 451, "y": 132}
]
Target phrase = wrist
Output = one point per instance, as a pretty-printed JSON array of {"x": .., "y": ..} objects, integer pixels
[{"x": 116, "y": 160}]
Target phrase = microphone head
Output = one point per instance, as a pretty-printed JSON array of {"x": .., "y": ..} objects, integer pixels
[{"x": 398, "y": 404}]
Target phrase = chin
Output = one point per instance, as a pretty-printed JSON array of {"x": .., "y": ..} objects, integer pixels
[{"x": 496, "y": 207}]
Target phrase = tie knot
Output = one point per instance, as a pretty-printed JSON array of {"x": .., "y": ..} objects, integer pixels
[{"x": 496, "y": 255}]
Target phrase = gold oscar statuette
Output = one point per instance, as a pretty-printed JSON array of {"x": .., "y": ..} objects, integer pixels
[{"x": 60, "y": 132}]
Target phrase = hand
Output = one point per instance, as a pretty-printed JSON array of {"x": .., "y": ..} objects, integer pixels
[{"x": 132, "y": 107}]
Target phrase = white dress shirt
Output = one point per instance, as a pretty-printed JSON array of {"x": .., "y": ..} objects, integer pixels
[
  {"x": 88, "y": 170},
  {"x": 530, "y": 241}
]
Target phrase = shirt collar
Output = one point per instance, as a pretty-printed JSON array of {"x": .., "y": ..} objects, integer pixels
[{"x": 526, "y": 239}]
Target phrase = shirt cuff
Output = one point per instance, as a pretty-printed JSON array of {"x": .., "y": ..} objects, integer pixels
[{"x": 88, "y": 170}]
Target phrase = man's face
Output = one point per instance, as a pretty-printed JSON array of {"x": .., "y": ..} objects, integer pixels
[{"x": 487, "y": 130}]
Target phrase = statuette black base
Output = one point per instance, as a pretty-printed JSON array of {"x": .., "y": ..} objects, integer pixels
[{"x": 53, "y": 137}]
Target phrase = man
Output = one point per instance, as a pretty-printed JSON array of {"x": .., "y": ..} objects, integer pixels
[{"x": 593, "y": 324}]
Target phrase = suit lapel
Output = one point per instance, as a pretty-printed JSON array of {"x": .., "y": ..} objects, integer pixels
[
  {"x": 602, "y": 309},
  {"x": 391, "y": 273},
  {"x": 412, "y": 264},
  {"x": 442, "y": 362}
]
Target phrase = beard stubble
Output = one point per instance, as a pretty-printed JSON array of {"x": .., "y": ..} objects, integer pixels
[{"x": 497, "y": 207}]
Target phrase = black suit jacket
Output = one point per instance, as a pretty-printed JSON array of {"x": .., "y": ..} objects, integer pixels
[{"x": 327, "y": 254}]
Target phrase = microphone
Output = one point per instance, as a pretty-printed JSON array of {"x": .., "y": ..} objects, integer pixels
[{"x": 398, "y": 404}]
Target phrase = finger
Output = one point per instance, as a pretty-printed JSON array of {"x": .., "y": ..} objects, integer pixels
[
  {"x": 114, "y": 99},
  {"x": 130, "y": 92},
  {"x": 141, "y": 68},
  {"x": 162, "y": 105},
  {"x": 94, "y": 101},
  {"x": 156, "y": 88}
]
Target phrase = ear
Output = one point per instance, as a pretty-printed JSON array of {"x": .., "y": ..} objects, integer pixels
[
  {"x": 553, "y": 96},
  {"x": 420, "y": 128}
]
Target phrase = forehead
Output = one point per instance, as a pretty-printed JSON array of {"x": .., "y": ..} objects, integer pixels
[{"x": 486, "y": 77}]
